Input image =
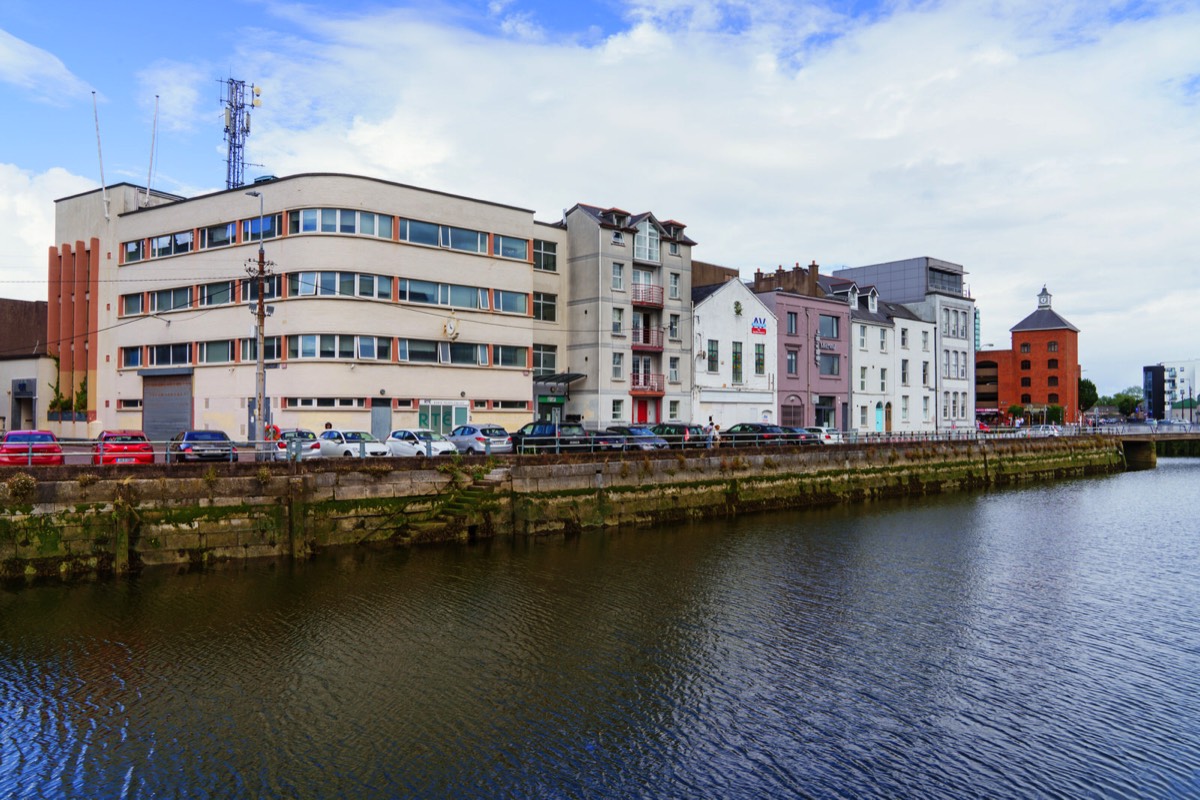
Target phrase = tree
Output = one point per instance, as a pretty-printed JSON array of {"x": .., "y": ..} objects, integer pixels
[
  {"x": 1054, "y": 415},
  {"x": 1015, "y": 412},
  {"x": 1087, "y": 394}
]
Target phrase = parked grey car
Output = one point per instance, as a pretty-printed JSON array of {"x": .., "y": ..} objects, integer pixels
[
  {"x": 471, "y": 439},
  {"x": 640, "y": 437}
]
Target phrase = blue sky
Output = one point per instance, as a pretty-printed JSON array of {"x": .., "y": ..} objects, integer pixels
[{"x": 1034, "y": 143}]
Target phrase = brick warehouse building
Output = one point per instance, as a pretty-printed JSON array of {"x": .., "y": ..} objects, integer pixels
[{"x": 1041, "y": 368}]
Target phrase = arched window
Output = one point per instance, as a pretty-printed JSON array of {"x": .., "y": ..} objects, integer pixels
[
  {"x": 1052, "y": 347},
  {"x": 1025, "y": 347},
  {"x": 1026, "y": 382},
  {"x": 1026, "y": 400},
  {"x": 1052, "y": 364},
  {"x": 1025, "y": 364},
  {"x": 1052, "y": 380},
  {"x": 1052, "y": 399}
]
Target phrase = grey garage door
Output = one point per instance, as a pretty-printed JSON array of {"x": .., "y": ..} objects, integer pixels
[{"x": 166, "y": 405}]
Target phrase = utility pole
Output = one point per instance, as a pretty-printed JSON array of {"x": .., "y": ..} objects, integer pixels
[{"x": 260, "y": 316}]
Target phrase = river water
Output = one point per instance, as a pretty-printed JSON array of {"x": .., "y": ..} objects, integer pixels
[{"x": 1036, "y": 642}]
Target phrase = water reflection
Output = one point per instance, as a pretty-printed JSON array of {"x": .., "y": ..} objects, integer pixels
[{"x": 1039, "y": 642}]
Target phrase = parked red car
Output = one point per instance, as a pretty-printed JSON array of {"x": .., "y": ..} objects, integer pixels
[
  {"x": 24, "y": 448},
  {"x": 122, "y": 447}
]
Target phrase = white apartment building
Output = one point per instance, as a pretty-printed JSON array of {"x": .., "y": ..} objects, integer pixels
[
  {"x": 736, "y": 345},
  {"x": 934, "y": 290},
  {"x": 628, "y": 319},
  {"x": 390, "y": 305}
]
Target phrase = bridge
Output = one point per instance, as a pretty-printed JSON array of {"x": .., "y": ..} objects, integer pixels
[{"x": 1139, "y": 441}]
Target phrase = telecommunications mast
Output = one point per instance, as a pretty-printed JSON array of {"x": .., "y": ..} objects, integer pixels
[{"x": 237, "y": 128}]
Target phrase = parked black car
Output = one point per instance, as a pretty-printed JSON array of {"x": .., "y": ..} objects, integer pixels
[
  {"x": 801, "y": 436},
  {"x": 681, "y": 434},
  {"x": 551, "y": 437},
  {"x": 198, "y": 445},
  {"x": 753, "y": 434}
]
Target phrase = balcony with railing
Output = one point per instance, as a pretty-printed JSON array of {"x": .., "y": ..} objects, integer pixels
[
  {"x": 646, "y": 295},
  {"x": 647, "y": 384},
  {"x": 646, "y": 339}
]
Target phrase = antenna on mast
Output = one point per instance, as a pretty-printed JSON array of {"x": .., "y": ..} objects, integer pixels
[
  {"x": 100, "y": 154},
  {"x": 153, "y": 142},
  {"x": 237, "y": 128}
]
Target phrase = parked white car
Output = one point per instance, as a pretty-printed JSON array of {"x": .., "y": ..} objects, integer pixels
[
  {"x": 338, "y": 442},
  {"x": 419, "y": 442},
  {"x": 826, "y": 435}
]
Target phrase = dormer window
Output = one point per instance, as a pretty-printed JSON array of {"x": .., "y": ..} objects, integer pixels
[
  {"x": 872, "y": 303},
  {"x": 646, "y": 243}
]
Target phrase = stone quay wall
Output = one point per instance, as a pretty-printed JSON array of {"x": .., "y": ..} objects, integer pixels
[{"x": 71, "y": 521}]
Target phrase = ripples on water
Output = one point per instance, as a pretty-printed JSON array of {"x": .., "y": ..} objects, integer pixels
[{"x": 1031, "y": 643}]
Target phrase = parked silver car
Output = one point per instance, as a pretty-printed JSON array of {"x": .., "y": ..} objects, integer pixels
[
  {"x": 297, "y": 443},
  {"x": 472, "y": 439}
]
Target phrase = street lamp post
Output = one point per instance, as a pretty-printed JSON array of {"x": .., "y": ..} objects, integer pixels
[{"x": 260, "y": 374}]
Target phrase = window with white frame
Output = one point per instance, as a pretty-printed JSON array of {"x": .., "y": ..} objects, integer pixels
[
  {"x": 545, "y": 306},
  {"x": 760, "y": 359},
  {"x": 646, "y": 243},
  {"x": 904, "y": 408},
  {"x": 828, "y": 326},
  {"x": 133, "y": 304},
  {"x": 673, "y": 409},
  {"x": 618, "y": 366},
  {"x": 793, "y": 361},
  {"x": 618, "y": 321},
  {"x": 904, "y": 338},
  {"x": 510, "y": 247},
  {"x": 925, "y": 408},
  {"x": 618, "y": 409},
  {"x": 883, "y": 379},
  {"x": 131, "y": 357},
  {"x": 217, "y": 352},
  {"x": 862, "y": 337},
  {"x": 673, "y": 369},
  {"x": 545, "y": 256},
  {"x": 673, "y": 286},
  {"x": 793, "y": 323},
  {"x": 925, "y": 341},
  {"x": 924, "y": 373},
  {"x": 862, "y": 379},
  {"x": 883, "y": 340},
  {"x": 830, "y": 364},
  {"x": 216, "y": 294},
  {"x": 618, "y": 277},
  {"x": 904, "y": 371},
  {"x": 545, "y": 360},
  {"x": 714, "y": 361},
  {"x": 507, "y": 355},
  {"x": 862, "y": 416},
  {"x": 673, "y": 326}
]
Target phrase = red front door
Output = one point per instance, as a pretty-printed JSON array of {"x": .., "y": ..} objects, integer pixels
[{"x": 641, "y": 411}]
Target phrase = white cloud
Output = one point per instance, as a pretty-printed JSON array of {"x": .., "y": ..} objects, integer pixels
[
  {"x": 1030, "y": 147},
  {"x": 177, "y": 86},
  {"x": 27, "y": 206},
  {"x": 36, "y": 71}
]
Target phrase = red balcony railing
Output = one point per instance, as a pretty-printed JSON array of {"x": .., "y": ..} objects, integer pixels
[
  {"x": 646, "y": 295},
  {"x": 646, "y": 339},
  {"x": 647, "y": 383}
]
